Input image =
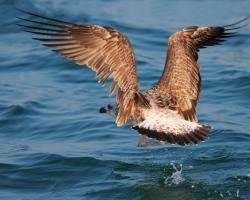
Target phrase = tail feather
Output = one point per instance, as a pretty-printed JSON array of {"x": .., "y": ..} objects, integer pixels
[{"x": 171, "y": 128}]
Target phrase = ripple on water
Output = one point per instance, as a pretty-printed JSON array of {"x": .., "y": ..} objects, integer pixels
[{"x": 55, "y": 144}]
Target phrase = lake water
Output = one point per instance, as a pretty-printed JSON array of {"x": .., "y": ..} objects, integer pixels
[{"x": 56, "y": 145}]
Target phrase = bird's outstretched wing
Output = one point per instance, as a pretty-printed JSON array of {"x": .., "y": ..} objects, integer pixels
[
  {"x": 181, "y": 81},
  {"x": 105, "y": 50}
]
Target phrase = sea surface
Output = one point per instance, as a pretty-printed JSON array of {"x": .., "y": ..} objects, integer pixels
[{"x": 54, "y": 143}]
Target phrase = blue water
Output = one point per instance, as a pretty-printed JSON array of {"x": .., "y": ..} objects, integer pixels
[{"x": 56, "y": 145}]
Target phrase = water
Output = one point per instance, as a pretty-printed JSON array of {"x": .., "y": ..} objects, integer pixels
[{"x": 55, "y": 144}]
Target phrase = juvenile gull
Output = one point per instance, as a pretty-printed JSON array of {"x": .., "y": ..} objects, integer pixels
[{"x": 167, "y": 111}]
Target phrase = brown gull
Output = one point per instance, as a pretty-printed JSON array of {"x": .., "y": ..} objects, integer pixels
[{"x": 165, "y": 112}]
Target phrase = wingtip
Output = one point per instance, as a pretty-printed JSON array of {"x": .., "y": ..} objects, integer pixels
[
  {"x": 46, "y": 18},
  {"x": 238, "y": 22}
]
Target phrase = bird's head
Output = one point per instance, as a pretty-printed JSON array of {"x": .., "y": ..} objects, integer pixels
[{"x": 112, "y": 109}]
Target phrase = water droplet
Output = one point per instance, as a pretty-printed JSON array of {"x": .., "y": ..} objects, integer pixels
[
  {"x": 221, "y": 194},
  {"x": 237, "y": 193}
]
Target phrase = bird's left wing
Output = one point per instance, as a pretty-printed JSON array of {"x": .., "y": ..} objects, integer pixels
[{"x": 105, "y": 50}]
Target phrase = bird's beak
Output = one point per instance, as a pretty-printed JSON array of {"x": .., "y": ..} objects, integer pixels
[{"x": 102, "y": 110}]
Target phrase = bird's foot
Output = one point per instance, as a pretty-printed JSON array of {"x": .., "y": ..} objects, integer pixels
[{"x": 148, "y": 143}]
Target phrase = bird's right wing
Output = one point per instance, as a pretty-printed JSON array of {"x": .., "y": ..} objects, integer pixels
[{"x": 180, "y": 83}]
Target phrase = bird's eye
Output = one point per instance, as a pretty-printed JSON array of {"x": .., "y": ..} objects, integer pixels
[{"x": 109, "y": 107}]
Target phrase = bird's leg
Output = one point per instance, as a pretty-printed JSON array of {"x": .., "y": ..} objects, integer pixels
[
  {"x": 148, "y": 143},
  {"x": 143, "y": 138}
]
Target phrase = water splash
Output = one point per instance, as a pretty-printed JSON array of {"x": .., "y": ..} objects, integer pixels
[
  {"x": 237, "y": 193},
  {"x": 176, "y": 177}
]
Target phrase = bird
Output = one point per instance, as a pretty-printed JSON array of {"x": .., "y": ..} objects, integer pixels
[{"x": 164, "y": 113}]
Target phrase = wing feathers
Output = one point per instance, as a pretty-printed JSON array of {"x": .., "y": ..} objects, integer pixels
[
  {"x": 112, "y": 87},
  {"x": 55, "y": 20},
  {"x": 41, "y": 23},
  {"x": 181, "y": 78},
  {"x": 105, "y": 50}
]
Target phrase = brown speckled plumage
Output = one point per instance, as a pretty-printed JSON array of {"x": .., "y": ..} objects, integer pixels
[{"x": 167, "y": 111}]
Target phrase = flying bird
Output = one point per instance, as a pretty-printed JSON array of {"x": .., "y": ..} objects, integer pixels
[{"x": 165, "y": 112}]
